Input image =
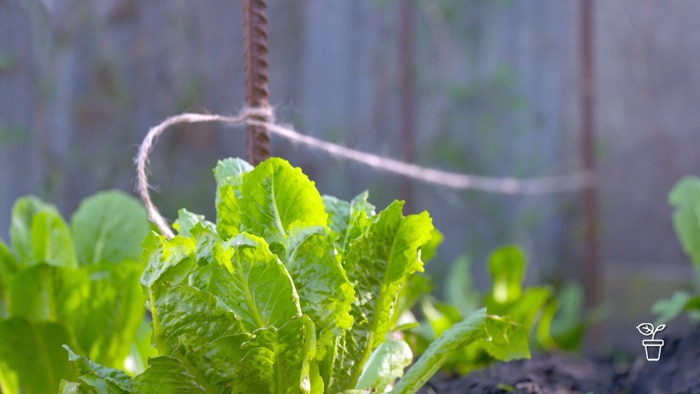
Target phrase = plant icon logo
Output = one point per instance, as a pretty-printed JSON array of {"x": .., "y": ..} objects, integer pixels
[{"x": 652, "y": 347}]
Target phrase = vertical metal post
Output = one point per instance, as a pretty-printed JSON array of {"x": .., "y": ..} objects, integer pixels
[
  {"x": 407, "y": 92},
  {"x": 256, "y": 80},
  {"x": 592, "y": 263}
]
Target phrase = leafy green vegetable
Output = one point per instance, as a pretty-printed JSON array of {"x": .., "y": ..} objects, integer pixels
[
  {"x": 507, "y": 297},
  {"x": 75, "y": 285},
  {"x": 685, "y": 199},
  {"x": 478, "y": 328},
  {"x": 507, "y": 266},
  {"x": 288, "y": 292}
]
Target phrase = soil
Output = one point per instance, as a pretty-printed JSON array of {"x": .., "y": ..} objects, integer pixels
[{"x": 678, "y": 371}]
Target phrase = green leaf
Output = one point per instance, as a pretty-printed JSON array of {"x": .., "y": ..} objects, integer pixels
[
  {"x": 416, "y": 287},
  {"x": 171, "y": 375},
  {"x": 430, "y": 249},
  {"x": 278, "y": 361},
  {"x": 9, "y": 379},
  {"x": 228, "y": 212},
  {"x": 183, "y": 312},
  {"x": 506, "y": 339},
  {"x": 544, "y": 332},
  {"x": 385, "y": 365},
  {"x": 507, "y": 266},
  {"x": 109, "y": 227},
  {"x": 460, "y": 290},
  {"x": 103, "y": 379},
  {"x": 461, "y": 334},
  {"x": 275, "y": 196},
  {"x": 251, "y": 281},
  {"x": 230, "y": 171},
  {"x": 103, "y": 306},
  {"x": 439, "y": 316},
  {"x": 348, "y": 220},
  {"x": 48, "y": 293},
  {"x": 380, "y": 263},
  {"x": 109, "y": 318},
  {"x": 168, "y": 261},
  {"x": 685, "y": 199},
  {"x": 23, "y": 213},
  {"x": 32, "y": 352},
  {"x": 670, "y": 308},
  {"x": 525, "y": 309},
  {"x": 39, "y": 234},
  {"x": 187, "y": 220},
  {"x": 571, "y": 312},
  {"x": 229, "y": 176},
  {"x": 8, "y": 262},
  {"x": 321, "y": 282},
  {"x": 564, "y": 320},
  {"x": 501, "y": 338},
  {"x": 693, "y": 303},
  {"x": 51, "y": 240},
  {"x": 8, "y": 267},
  {"x": 219, "y": 361},
  {"x": 317, "y": 383}
]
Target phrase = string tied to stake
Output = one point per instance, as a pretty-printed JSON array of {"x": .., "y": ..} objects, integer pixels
[{"x": 250, "y": 116}]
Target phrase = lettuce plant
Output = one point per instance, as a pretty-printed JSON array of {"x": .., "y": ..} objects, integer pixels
[
  {"x": 549, "y": 319},
  {"x": 289, "y": 291},
  {"x": 71, "y": 284},
  {"x": 685, "y": 199}
]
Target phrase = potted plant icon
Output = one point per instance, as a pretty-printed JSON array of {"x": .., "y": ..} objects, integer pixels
[{"x": 652, "y": 347}]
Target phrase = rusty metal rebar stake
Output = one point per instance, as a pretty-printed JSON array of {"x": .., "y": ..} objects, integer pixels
[
  {"x": 407, "y": 91},
  {"x": 590, "y": 205},
  {"x": 256, "y": 80}
]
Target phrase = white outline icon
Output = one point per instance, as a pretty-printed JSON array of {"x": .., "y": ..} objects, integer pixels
[{"x": 652, "y": 347}]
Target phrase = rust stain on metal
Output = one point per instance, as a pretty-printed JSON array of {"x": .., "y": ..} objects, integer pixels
[{"x": 256, "y": 79}]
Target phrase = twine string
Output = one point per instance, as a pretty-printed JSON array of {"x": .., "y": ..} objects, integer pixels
[{"x": 250, "y": 116}]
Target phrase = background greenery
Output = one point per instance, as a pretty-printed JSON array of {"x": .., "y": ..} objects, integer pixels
[{"x": 496, "y": 94}]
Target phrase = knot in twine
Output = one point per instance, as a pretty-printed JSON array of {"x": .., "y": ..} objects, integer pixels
[
  {"x": 258, "y": 113},
  {"x": 264, "y": 117}
]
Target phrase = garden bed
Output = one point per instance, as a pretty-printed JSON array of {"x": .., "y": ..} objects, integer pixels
[{"x": 678, "y": 371}]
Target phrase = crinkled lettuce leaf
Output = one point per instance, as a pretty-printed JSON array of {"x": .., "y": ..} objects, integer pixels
[{"x": 379, "y": 263}]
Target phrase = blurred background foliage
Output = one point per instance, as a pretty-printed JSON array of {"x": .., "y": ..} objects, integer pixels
[{"x": 496, "y": 86}]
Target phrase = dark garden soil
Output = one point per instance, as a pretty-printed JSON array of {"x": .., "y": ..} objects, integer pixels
[{"x": 678, "y": 371}]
